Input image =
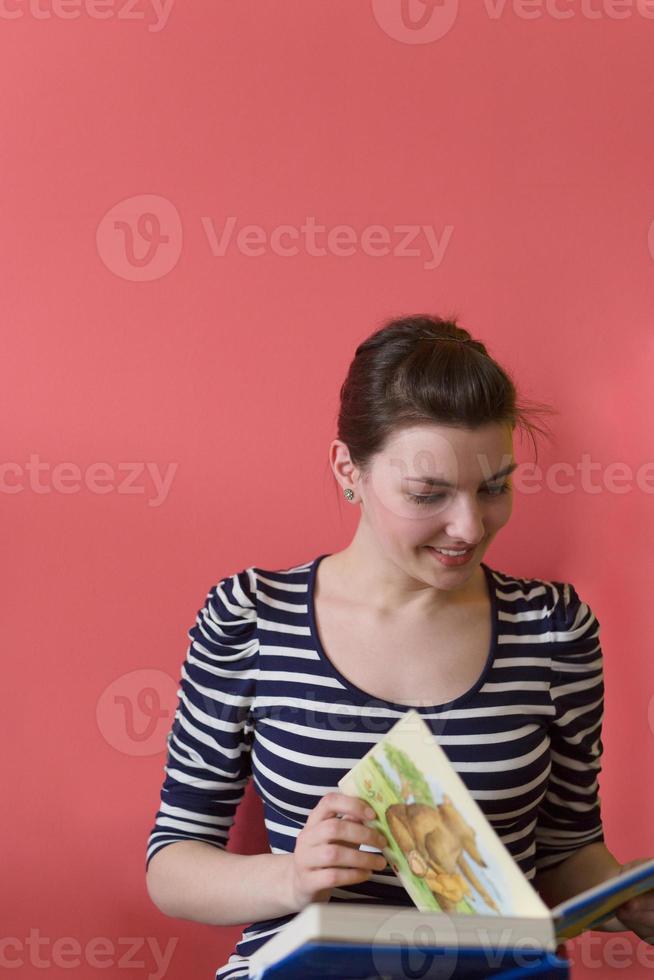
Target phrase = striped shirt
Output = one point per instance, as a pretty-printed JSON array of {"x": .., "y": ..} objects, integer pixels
[{"x": 259, "y": 699}]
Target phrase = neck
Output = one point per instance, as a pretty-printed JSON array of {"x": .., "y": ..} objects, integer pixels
[{"x": 377, "y": 583}]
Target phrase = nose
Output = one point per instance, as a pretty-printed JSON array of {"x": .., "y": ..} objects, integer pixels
[{"x": 464, "y": 522}]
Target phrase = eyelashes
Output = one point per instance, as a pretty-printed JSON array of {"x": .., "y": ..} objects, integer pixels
[{"x": 433, "y": 497}]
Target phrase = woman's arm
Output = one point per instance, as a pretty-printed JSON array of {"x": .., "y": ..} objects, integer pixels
[
  {"x": 589, "y": 866},
  {"x": 193, "y": 880},
  {"x": 572, "y": 805}
]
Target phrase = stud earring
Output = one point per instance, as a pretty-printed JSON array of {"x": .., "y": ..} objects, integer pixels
[{"x": 349, "y": 494}]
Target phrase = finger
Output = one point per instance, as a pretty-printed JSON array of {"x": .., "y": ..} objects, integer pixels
[
  {"x": 644, "y": 930},
  {"x": 642, "y": 903},
  {"x": 339, "y": 804},
  {"x": 634, "y": 864},
  {"x": 639, "y": 923},
  {"x": 354, "y": 858},
  {"x": 350, "y": 832},
  {"x": 625, "y": 915}
]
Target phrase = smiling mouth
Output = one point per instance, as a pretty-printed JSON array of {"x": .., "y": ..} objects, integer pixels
[{"x": 451, "y": 551}]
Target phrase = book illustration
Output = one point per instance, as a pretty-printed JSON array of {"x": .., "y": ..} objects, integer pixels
[
  {"x": 432, "y": 840},
  {"x": 441, "y": 846},
  {"x": 432, "y": 847}
]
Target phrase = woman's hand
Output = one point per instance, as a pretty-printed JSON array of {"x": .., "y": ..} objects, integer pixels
[
  {"x": 327, "y": 854},
  {"x": 638, "y": 913}
]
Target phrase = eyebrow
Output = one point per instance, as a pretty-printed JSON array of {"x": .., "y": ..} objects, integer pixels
[{"x": 434, "y": 481}]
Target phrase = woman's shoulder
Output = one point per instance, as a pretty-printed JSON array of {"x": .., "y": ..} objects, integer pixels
[
  {"x": 269, "y": 581},
  {"x": 233, "y": 603},
  {"x": 557, "y": 600},
  {"x": 225, "y": 626}
]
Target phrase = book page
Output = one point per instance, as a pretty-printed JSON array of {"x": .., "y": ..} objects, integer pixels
[{"x": 441, "y": 846}]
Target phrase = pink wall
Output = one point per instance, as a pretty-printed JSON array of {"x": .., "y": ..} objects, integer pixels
[{"x": 514, "y": 140}]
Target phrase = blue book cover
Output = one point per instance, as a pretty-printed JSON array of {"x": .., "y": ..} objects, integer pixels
[
  {"x": 351, "y": 961},
  {"x": 387, "y": 941}
]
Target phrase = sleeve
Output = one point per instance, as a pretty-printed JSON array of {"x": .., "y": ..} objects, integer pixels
[
  {"x": 569, "y": 816},
  {"x": 208, "y": 763}
]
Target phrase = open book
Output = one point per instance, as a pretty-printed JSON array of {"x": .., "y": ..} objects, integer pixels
[{"x": 470, "y": 893}]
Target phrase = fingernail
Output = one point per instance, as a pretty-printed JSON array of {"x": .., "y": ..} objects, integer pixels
[{"x": 370, "y": 813}]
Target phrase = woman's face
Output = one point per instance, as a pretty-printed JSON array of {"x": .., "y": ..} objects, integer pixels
[{"x": 409, "y": 512}]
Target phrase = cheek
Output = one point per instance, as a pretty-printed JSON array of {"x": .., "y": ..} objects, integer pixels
[
  {"x": 404, "y": 523},
  {"x": 419, "y": 527},
  {"x": 501, "y": 513},
  {"x": 398, "y": 517}
]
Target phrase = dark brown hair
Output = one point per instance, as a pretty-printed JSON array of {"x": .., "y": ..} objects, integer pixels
[{"x": 415, "y": 370}]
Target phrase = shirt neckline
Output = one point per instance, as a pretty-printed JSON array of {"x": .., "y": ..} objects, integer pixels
[{"x": 490, "y": 583}]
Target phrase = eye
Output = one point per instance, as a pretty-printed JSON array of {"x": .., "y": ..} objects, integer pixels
[
  {"x": 432, "y": 498},
  {"x": 498, "y": 490},
  {"x": 426, "y": 498}
]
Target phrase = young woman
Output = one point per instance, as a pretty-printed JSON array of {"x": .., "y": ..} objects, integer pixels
[{"x": 293, "y": 674}]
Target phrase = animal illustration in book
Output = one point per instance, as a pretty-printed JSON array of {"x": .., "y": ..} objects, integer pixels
[
  {"x": 433, "y": 839},
  {"x": 432, "y": 847}
]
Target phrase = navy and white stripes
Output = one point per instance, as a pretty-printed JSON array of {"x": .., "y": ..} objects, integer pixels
[{"x": 259, "y": 699}]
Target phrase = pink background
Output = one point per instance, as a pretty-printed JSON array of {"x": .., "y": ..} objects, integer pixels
[{"x": 529, "y": 136}]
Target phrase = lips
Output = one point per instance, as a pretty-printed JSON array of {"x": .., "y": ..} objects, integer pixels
[{"x": 452, "y": 561}]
